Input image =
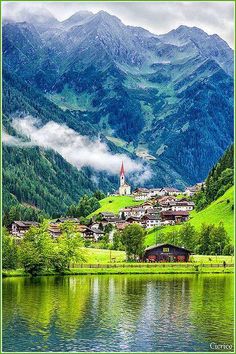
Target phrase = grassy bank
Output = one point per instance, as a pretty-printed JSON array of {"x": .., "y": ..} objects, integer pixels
[{"x": 169, "y": 268}]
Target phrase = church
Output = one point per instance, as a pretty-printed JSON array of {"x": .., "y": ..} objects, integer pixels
[{"x": 124, "y": 188}]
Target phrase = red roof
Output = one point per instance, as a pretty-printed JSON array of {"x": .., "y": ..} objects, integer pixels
[{"x": 122, "y": 170}]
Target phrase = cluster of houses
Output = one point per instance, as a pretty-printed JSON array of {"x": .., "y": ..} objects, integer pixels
[
  {"x": 153, "y": 213},
  {"x": 160, "y": 206},
  {"x": 167, "y": 210},
  {"x": 146, "y": 193}
]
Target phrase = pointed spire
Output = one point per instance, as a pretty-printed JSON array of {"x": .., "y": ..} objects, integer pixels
[{"x": 122, "y": 170}]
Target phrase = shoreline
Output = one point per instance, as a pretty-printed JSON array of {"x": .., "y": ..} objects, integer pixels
[{"x": 122, "y": 270}]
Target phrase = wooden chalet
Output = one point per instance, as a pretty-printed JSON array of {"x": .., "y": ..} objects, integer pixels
[
  {"x": 166, "y": 252},
  {"x": 175, "y": 216},
  {"x": 92, "y": 234},
  {"x": 107, "y": 215},
  {"x": 18, "y": 228},
  {"x": 134, "y": 220},
  {"x": 150, "y": 221}
]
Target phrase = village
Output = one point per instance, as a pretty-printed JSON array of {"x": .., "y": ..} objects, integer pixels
[{"x": 159, "y": 207}]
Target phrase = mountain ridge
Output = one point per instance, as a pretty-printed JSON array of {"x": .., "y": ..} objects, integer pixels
[{"x": 168, "y": 105}]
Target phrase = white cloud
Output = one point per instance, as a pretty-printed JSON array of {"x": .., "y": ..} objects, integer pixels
[
  {"x": 158, "y": 17},
  {"x": 78, "y": 150},
  {"x": 14, "y": 141}
]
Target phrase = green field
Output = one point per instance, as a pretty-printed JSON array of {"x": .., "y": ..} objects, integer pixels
[
  {"x": 114, "y": 204},
  {"x": 100, "y": 256},
  {"x": 219, "y": 210},
  {"x": 97, "y": 255}
]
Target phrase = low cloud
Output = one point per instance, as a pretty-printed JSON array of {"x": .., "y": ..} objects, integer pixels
[{"x": 80, "y": 151}]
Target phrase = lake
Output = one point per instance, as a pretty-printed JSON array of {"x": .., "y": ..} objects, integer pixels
[{"x": 125, "y": 313}]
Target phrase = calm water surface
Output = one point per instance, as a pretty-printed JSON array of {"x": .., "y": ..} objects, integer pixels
[{"x": 118, "y": 313}]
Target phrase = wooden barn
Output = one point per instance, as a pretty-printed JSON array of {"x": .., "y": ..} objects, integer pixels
[{"x": 166, "y": 252}]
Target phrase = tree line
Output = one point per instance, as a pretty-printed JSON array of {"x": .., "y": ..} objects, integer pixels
[
  {"x": 86, "y": 205},
  {"x": 37, "y": 251},
  {"x": 209, "y": 240}
]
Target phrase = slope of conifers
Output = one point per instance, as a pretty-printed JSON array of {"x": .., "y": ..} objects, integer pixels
[
  {"x": 219, "y": 180},
  {"x": 221, "y": 210},
  {"x": 41, "y": 179},
  {"x": 35, "y": 177}
]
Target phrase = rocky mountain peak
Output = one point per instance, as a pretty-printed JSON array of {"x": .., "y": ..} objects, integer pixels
[{"x": 76, "y": 18}]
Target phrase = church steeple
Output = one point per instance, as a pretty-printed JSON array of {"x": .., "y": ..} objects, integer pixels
[
  {"x": 122, "y": 174},
  {"x": 122, "y": 170},
  {"x": 124, "y": 187}
]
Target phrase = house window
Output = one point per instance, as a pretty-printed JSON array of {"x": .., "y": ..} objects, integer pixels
[{"x": 166, "y": 249}]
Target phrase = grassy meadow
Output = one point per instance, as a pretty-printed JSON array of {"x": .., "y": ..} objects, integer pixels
[
  {"x": 115, "y": 203},
  {"x": 102, "y": 256},
  {"x": 97, "y": 255}
]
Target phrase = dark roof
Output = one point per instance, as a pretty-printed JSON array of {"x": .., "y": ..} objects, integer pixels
[
  {"x": 165, "y": 244},
  {"x": 111, "y": 219},
  {"x": 152, "y": 210},
  {"x": 136, "y": 218},
  {"x": 171, "y": 189},
  {"x": 107, "y": 214},
  {"x": 151, "y": 217},
  {"x": 175, "y": 213},
  {"x": 141, "y": 190},
  {"x": 138, "y": 209},
  {"x": 64, "y": 220},
  {"x": 177, "y": 203},
  {"x": 96, "y": 231},
  {"x": 26, "y": 223}
]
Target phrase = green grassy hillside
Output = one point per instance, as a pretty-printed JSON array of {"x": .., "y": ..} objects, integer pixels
[
  {"x": 219, "y": 210},
  {"x": 114, "y": 204},
  {"x": 97, "y": 255}
]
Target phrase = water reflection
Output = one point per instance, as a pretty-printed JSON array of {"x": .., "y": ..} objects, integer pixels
[{"x": 117, "y": 313}]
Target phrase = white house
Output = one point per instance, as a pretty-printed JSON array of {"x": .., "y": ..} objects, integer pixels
[
  {"x": 171, "y": 191},
  {"x": 150, "y": 221},
  {"x": 144, "y": 196},
  {"x": 19, "y": 228},
  {"x": 136, "y": 212},
  {"x": 190, "y": 191},
  {"x": 157, "y": 192},
  {"x": 184, "y": 206},
  {"x": 177, "y": 206}
]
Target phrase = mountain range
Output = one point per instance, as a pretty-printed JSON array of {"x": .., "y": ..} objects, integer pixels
[{"x": 165, "y": 101}]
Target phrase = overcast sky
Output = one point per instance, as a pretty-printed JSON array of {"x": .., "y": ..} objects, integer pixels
[{"x": 157, "y": 17}]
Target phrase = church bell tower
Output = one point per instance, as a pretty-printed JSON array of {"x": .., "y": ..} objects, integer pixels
[
  {"x": 122, "y": 175},
  {"x": 125, "y": 188}
]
